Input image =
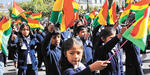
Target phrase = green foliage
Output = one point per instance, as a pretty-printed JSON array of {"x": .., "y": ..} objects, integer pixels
[{"x": 37, "y": 6}]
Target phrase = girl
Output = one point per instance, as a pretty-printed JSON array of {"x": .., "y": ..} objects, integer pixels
[
  {"x": 107, "y": 48},
  {"x": 25, "y": 58},
  {"x": 71, "y": 58}
]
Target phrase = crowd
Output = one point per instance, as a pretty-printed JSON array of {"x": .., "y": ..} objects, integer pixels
[{"x": 80, "y": 50}]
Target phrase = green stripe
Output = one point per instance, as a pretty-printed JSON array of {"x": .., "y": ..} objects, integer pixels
[
  {"x": 139, "y": 14},
  {"x": 108, "y": 19},
  {"x": 55, "y": 16},
  {"x": 141, "y": 43},
  {"x": 14, "y": 16},
  {"x": 5, "y": 38},
  {"x": 121, "y": 20},
  {"x": 95, "y": 22},
  {"x": 75, "y": 10},
  {"x": 39, "y": 19}
]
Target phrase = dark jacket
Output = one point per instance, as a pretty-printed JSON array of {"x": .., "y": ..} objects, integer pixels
[{"x": 104, "y": 52}]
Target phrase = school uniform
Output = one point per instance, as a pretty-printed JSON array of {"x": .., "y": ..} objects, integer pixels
[
  {"x": 88, "y": 51},
  {"x": 27, "y": 62},
  {"x": 133, "y": 61},
  {"x": 80, "y": 70},
  {"x": 52, "y": 56},
  {"x": 104, "y": 52},
  {"x": 40, "y": 38}
]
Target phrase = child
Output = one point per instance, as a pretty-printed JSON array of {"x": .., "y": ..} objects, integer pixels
[
  {"x": 82, "y": 33},
  {"x": 51, "y": 51},
  {"x": 71, "y": 58},
  {"x": 107, "y": 49},
  {"x": 25, "y": 58}
]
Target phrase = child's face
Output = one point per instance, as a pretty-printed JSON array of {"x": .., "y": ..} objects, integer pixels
[
  {"x": 74, "y": 55},
  {"x": 25, "y": 31},
  {"x": 110, "y": 37},
  {"x": 56, "y": 40},
  {"x": 82, "y": 32}
]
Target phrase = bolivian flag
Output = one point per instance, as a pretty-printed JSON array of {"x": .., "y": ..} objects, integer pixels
[
  {"x": 92, "y": 14},
  {"x": 140, "y": 5},
  {"x": 137, "y": 33},
  {"x": 37, "y": 16},
  {"x": 103, "y": 14},
  {"x": 125, "y": 13},
  {"x": 111, "y": 18},
  {"x": 128, "y": 2},
  {"x": 5, "y": 32},
  {"x": 34, "y": 24},
  {"x": 56, "y": 14},
  {"x": 17, "y": 10}
]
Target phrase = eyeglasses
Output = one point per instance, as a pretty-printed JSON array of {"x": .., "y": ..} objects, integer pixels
[{"x": 25, "y": 29}]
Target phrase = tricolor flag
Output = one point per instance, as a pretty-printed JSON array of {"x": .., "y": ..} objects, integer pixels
[
  {"x": 75, "y": 7},
  {"x": 125, "y": 13},
  {"x": 17, "y": 10},
  {"x": 68, "y": 15},
  {"x": 34, "y": 24},
  {"x": 92, "y": 14},
  {"x": 37, "y": 16},
  {"x": 128, "y": 2},
  {"x": 56, "y": 14},
  {"x": 137, "y": 33},
  {"x": 5, "y": 32},
  {"x": 18, "y": 22},
  {"x": 102, "y": 15},
  {"x": 140, "y": 5},
  {"x": 111, "y": 18}
]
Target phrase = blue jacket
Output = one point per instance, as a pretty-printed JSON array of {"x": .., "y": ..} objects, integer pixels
[
  {"x": 22, "y": 53},
  {"x": 52, "y": 56},
  {"x": 81, "y": 70},
  {"x": 104, "y": 52},
  {"x": 88, "y": 51}
]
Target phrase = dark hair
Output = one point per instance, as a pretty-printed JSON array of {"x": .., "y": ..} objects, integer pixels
[
  {"x": 108, "y": 31},
  {"x": 78, "y": 29},
  {"x": 68, "y": 44}
]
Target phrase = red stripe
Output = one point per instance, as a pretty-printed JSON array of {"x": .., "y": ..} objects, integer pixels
[
  {"x": 114, "y": 12},
  {"x": 136, "y": 28},
  {"x": 142, "y": 2},
  {"x": 37, "y": 14},
  {"x": 2, "y": 22},
  {"x": 16, "y": 6},
  {"x": 33, "y": 21},
  {"x": 105, "y": 10}
]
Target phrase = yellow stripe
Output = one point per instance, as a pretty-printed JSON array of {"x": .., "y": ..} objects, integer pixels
[
  {"x": 32, "y": 25},
  {"x": 149, "y": 25},
  {"x": 15, "y": 12},
  {"x": 34, "y": 17},
  {"x": 111, "y": 16},
  {"x": 135, "y": 7},
  {"x": 63, "y": 26},
  {"x": 75, "y": 5},
  {"x": 124, "y": 13},
  {"x": 58, "y": 5},
  {"x": 129, "y": 1},
  {"x": 6, "y": 25},
  {"x": 101, "y": 19},
  {"x": 1, "y": 33}
]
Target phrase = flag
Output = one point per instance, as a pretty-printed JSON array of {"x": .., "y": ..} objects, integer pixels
[
  {"x": 63, "y": 26},
  {"x": 37, "y": 16},
  {"x": 102, "y": 15},
  {"x": 18, "y": 22},
  {"x": 34, "y": 24},
  {"x": 5, "y": 32},
  {"x": 75, "y": 6},
  {"x": 95, "y": 22},
  {"x": 128, "y": 2},
  {"x": 111, "y": 18},
  {"x": 137, "y": 33},
  {"x": 125, "y": 13},
  {"x": 56, "y": 14},
  {"x": 69, "y": 16},
  {"x": 76, "y": 16},
  {"x": 17, "y": 10},
  {"x": 23, "y": 17},
  {"x": 92, "y": 14},
  {"x": 140, "y": 5}
]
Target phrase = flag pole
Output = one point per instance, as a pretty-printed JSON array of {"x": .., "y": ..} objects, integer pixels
[{"x": 122, "y": 44}]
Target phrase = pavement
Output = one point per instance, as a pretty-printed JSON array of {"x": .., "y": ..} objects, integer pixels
[{"x": 11, "y": 70}]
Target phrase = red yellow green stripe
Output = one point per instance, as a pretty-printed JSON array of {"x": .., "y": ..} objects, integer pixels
[
  {"x": 140, "y": 5},
  {"x": 34, "y": 24},
  {"x": 16, "y": 9}
]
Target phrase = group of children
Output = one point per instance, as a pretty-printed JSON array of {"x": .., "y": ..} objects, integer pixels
[{"x": 73, "y": 52}]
